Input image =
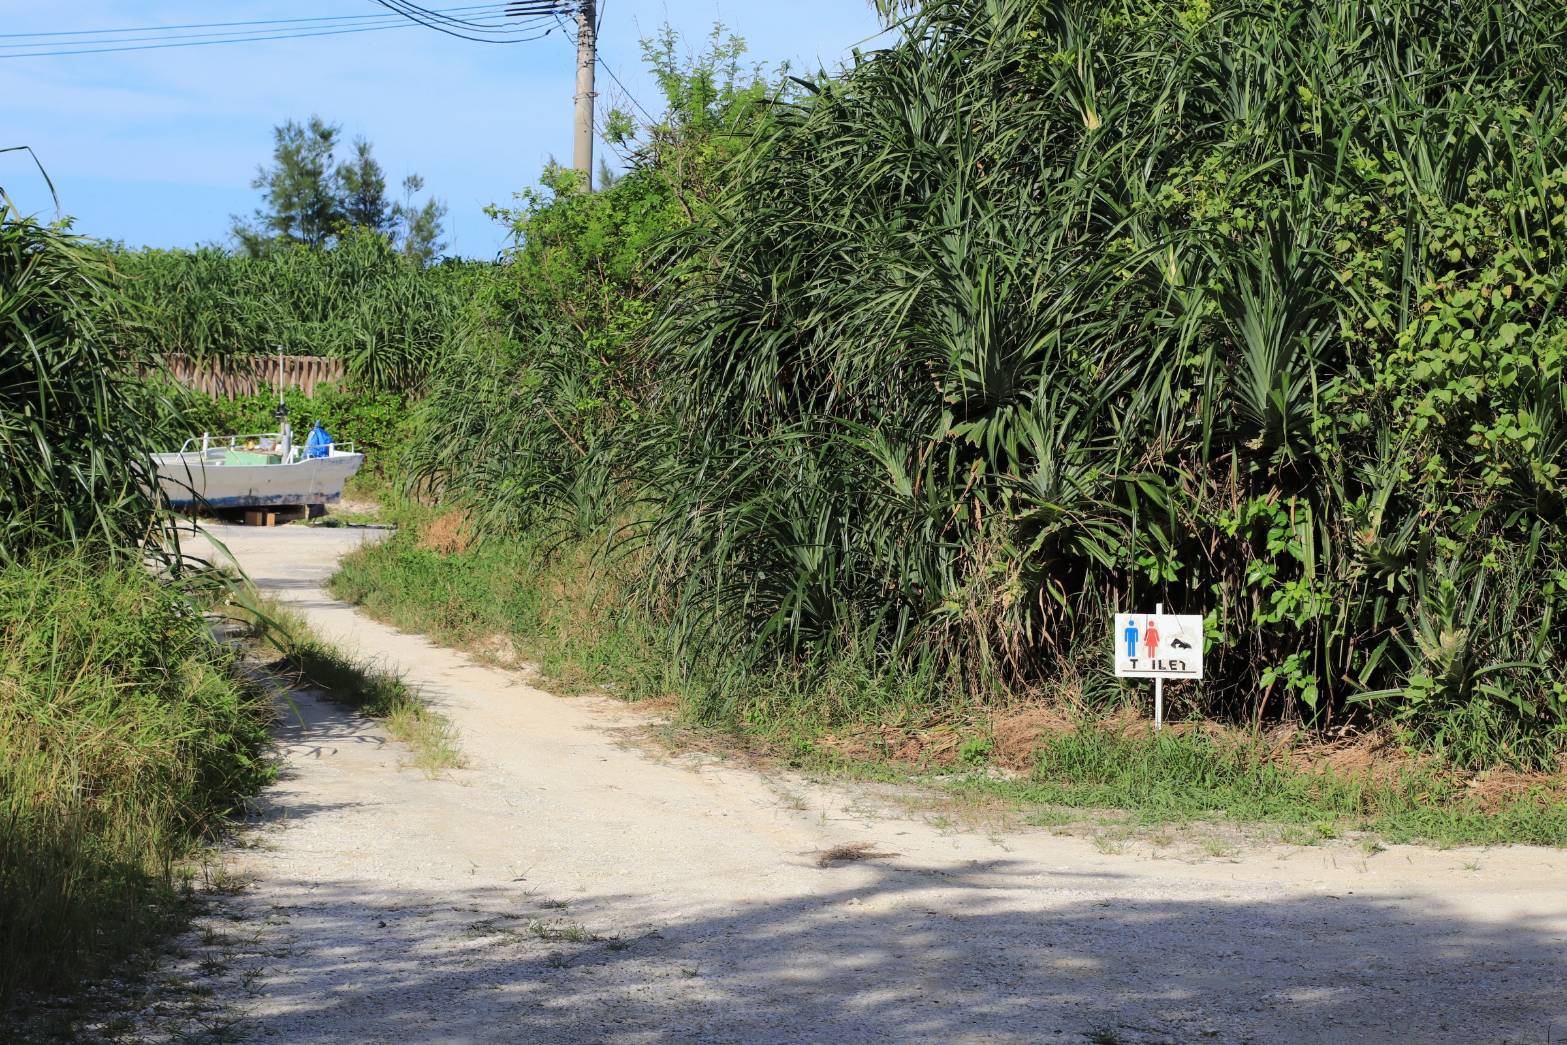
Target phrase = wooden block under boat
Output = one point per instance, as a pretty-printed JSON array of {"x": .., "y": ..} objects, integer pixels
[{"x": 274, "y": 516}]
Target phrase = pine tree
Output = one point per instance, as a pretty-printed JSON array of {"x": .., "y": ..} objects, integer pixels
[
  {"x": 419, "y": 223},
  {"x": 309, "y": 198},
  {"x": 362, "y": 183}
]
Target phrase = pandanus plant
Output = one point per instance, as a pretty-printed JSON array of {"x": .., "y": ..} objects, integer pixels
[
  {"x": 76, "y": 428},
  {"x": 1054, "y": 306}
]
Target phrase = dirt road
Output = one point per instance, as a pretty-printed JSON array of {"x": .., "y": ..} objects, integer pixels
[{"x": 572, "y": 885}]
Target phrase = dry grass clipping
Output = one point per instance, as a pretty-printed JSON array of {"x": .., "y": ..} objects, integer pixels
[
  {"x": 448, "y": 534},
  {"x": 850, "y": 853},
  {"x": 935, "y": 743},
  {"x": 1017, "y": 735}
]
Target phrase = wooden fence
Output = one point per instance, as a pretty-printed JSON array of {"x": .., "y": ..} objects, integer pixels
[{"x": 244, "y": 375}]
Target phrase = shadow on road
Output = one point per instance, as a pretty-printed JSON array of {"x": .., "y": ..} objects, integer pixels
[
  {"x": 885, "y": 959},
  {"x": 892, "y": 949}
]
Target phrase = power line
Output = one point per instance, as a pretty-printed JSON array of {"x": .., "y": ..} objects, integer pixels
[
  {"x": 508, "y": 22},
  {"x": 202, "y": 43},
  {"x": 225, "y": 25},
  {"x": 156, "y": 37},
  {"x": 519, "y": 8},
  {"x": 106, "y": 41},
  {"x": 623, "y": 87},
  {"x": 123, "y": 44},
  {"x": 491, "y": 33},
  {"x": 599, "y": 56},
  {"x": 513, "y": 10},
  {"x": 532, "y": 11}
]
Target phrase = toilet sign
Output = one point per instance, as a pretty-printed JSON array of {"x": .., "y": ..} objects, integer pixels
[{"x": 1158, "y": 646}]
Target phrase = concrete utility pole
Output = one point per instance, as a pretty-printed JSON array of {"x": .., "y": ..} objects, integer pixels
[{"x": 587, "y": 62}]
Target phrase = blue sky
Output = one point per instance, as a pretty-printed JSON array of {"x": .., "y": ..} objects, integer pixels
[{"x": 158, "y": 147}]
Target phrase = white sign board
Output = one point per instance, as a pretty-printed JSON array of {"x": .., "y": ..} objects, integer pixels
[{"x": 1158, "y": 646}]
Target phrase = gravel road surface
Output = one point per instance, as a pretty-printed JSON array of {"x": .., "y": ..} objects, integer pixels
[{"x": 575, "y": 884}]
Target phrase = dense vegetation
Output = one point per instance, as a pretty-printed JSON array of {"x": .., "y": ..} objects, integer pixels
[
  {"x": 329, "y": 265},
  {"x": 360, "y": 300},
  {"x": 550, "y": 376},
  {"x": 1059, "y": 308},
  {"x": 124, "y": 730},
  {"x": 1054, "y": 308}
]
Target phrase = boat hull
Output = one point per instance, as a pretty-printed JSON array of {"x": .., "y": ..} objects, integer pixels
[{"x": 197, "y": 480}]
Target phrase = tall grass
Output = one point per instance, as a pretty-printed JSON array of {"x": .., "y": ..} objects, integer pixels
[
  {"x": 556, "y": 607},
  {"x": 125, "y": 736}
]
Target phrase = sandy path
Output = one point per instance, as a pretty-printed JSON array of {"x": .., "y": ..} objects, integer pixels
[{"x": 573, "y": 886}]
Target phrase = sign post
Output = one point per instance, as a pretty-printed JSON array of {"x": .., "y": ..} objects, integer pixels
[
  {"x": 1158, "y": 646},
  {"x": 1158, "y": 686}
]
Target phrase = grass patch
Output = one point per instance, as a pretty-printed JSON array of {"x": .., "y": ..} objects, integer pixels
[
  {"x": 557, "y": 609},
  {"x": 562, "y": 610},
  {"x": 341, "y": 520},
  {"x": 1198, "y": 776},
  {"x": 127, "y": 735},
  {"x": 311, "y": 661}
]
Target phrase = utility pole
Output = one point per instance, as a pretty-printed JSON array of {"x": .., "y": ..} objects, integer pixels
[
  {"x": 587, "y": 62},
  {"x": 587, "y": 65}
]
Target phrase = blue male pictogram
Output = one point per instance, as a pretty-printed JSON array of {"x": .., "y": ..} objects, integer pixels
[{"x": 1131, "y": 637}]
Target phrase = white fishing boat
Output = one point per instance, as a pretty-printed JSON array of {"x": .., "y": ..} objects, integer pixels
[
  {"x": 263, "y": 470},
  {"x": 255, "y": 471}
]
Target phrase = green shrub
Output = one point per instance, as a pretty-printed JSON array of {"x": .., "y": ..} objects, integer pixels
[
  {"x": 124, "y": 731},
  {"x": 527, "y": 421},
  {"x": 125, "y": 735}
]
